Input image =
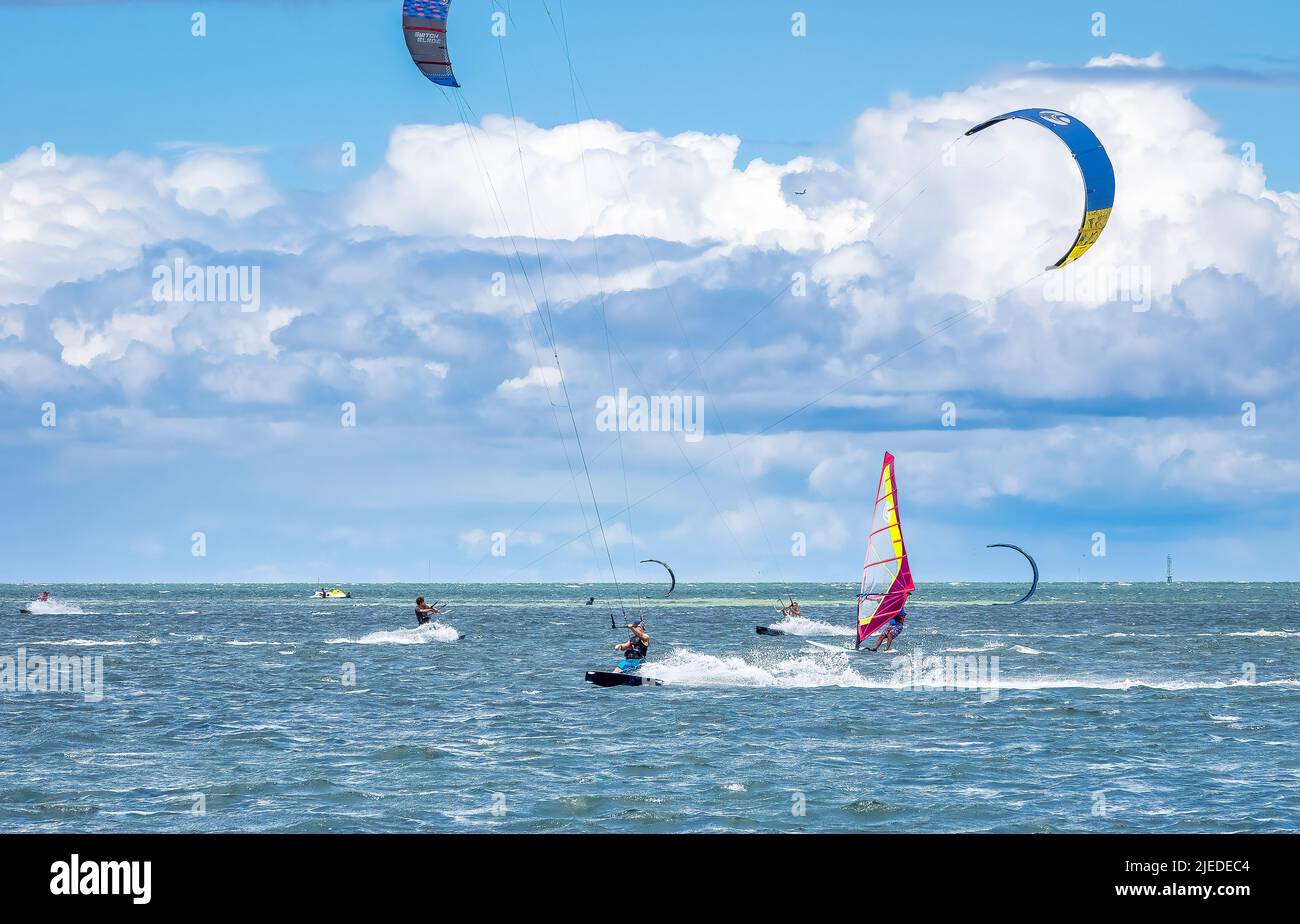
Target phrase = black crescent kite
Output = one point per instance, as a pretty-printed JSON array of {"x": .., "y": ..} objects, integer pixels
[
  {"x": 672, "y": 577},
  {"x": 1033, "y": 564}
]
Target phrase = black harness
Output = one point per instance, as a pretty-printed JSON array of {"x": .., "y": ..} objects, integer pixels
[{"x": 636, "y": 649}]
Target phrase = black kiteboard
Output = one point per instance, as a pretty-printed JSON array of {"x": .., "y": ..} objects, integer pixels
[
  {"x": 611, "y": 679},
  {"x": 767, "y": 630}
]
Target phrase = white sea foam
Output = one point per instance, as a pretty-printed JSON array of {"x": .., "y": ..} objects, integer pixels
[
  {"x": 690, "y": 668},
  {"x": 685, "y": 667},
  {"x": 102, "y": 642},
  {"x": 54, "y": 608},
  {"x": 1259, "y": 633},
  {"x": 802, "y": 625},
  {"x": 419, "y": 635}
]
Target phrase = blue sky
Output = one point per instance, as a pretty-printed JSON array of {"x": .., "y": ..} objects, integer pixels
[
  {"x": 291, "y": 76},
  {"x": 1074, "y": 418}
]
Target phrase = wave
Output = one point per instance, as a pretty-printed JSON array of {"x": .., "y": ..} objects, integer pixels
[
  {"x": 1258, "y": 633},
  {"x": 420, "y": 635},
  {"x": 684, "y": 667},
  {"x": 96, "y": 642},
  {"x": 802, "y": 625},
  {"x": 54, "y": 608},
  {"x": 1129, "y": 683}
]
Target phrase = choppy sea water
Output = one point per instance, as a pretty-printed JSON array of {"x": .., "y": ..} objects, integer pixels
[{"x": 1118, "y": 708}]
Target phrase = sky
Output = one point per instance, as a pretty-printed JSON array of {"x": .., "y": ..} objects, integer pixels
[{"x": 767, "y": 210}]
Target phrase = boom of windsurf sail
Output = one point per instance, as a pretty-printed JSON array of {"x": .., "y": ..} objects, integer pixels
[{"x": 886, "y": 575}]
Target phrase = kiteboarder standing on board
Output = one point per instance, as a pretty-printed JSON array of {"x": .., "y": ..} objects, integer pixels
[
  {"x": 634, "y": 649},
  {"x": 792, "y": 610},
  {"x": 891, "y": 631}
]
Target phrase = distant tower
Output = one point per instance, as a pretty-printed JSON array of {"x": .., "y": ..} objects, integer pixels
[{"x": 1169, "y": 569}]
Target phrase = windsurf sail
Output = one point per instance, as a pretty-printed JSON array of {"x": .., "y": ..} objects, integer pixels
[{"x": 886, "y": 575}]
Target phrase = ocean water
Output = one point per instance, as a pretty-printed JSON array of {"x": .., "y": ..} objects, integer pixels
[{"x": 1116, "y": 708}]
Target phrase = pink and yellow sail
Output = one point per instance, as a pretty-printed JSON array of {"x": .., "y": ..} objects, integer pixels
[{"x": 886, "y": 575}]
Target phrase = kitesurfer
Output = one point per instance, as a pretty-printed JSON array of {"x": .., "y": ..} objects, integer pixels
[
  {"x": 891, "y": 631},
  {"x": 590, "y": 601},
  {"x": 792, "y": 610},
  {"x": 634, "y": 649},
  {"x": 45, "y": 596},
  {"x": 424, "y": 612}
]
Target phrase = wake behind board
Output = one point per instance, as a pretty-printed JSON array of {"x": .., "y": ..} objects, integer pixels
[
  {"x": 611, "y": 679},
  {"x": 842, "y": 649},
  {"x": 767, "y": 630}
]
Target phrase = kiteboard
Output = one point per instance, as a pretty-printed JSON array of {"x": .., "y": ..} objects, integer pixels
[
  {"x": 611, "y": 679},
  {"x": 767, "y": 630}
]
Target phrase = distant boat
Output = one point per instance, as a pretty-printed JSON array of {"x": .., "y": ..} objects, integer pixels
[{"x": 335, "y": 593}]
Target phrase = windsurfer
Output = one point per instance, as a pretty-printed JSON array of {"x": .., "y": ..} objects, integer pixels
[
  {"x": 634, "y": 649},
  {"x": 891, "y": 631}
]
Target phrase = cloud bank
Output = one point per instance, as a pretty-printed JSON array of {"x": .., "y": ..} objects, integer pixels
[{"x": 432, "y": 295}]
